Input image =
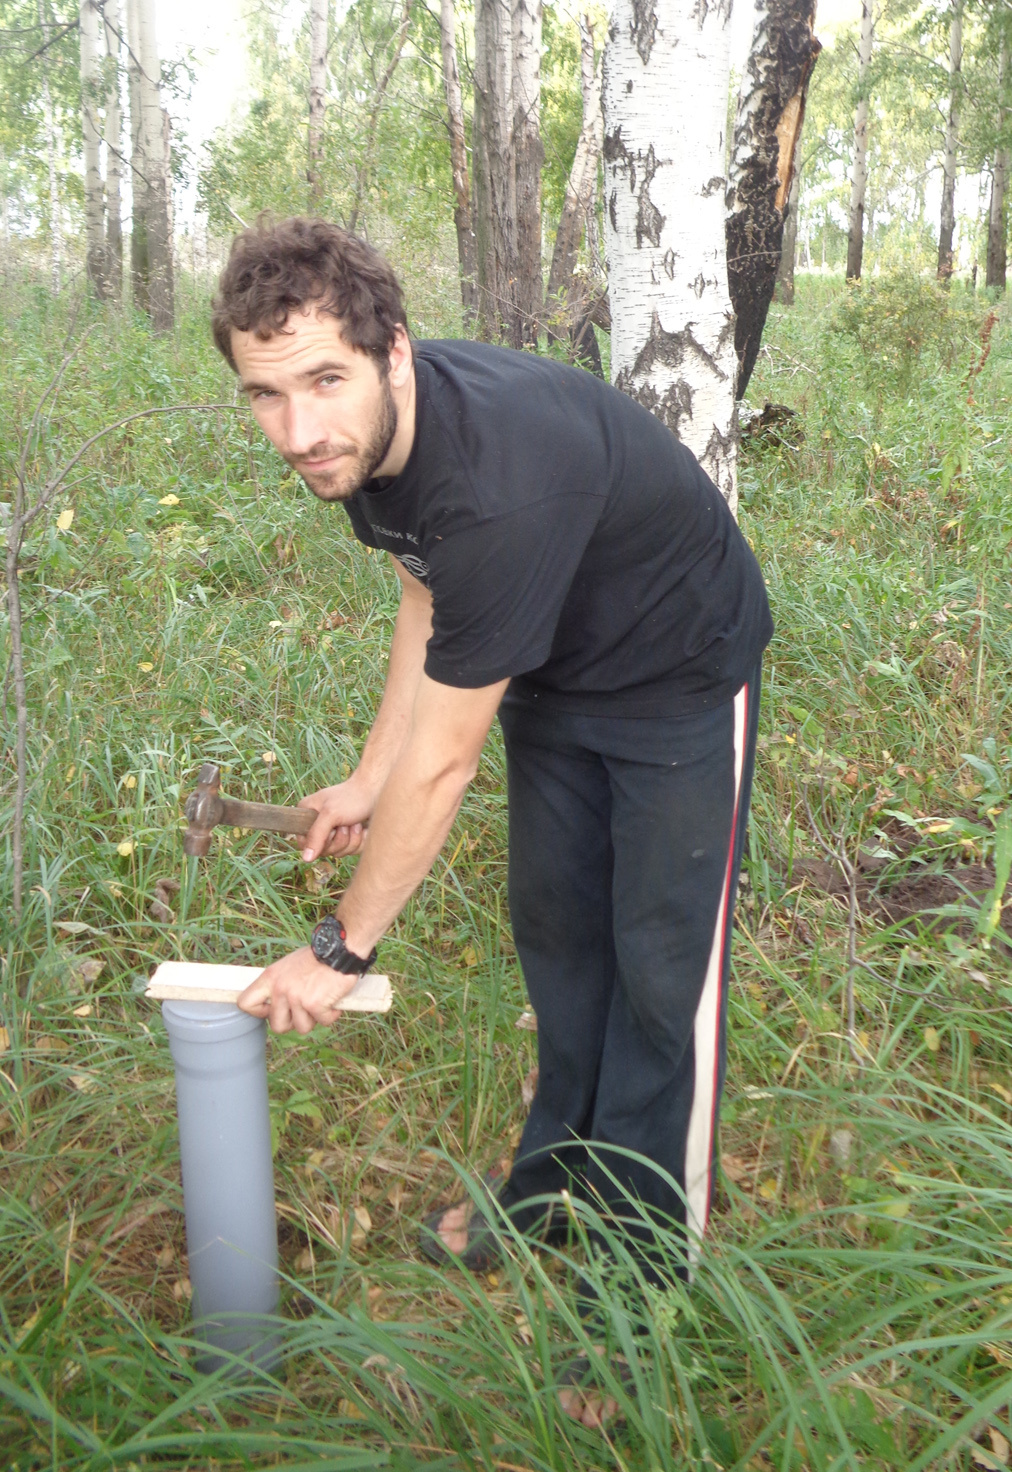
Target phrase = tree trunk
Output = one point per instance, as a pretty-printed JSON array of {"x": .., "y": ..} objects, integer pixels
[
  {"x": 89, "y": 26},
  {"x": 568, "y": 305},
  {"x": 151, "y": 164},
  {"x": 996, "y": 225},
  {"x": 783, "y": 292},
  {"x": 140, "y": 265},
  {"x": 49, "y": 124},
  {"x": 507, "y": 158},
  {"x": 369, "y": 148},
  {"x": 530, "y": 155},
  {"x": 859, "y": 175},
  {"x": 319, "y": 16},
  {"x": 113, "y": 30},
  {"x": 666, "y": 73},
  {"x": 947, "y": 223},
  {"x": 771, "y": 111},
  {"x": 466, "y": 255}
]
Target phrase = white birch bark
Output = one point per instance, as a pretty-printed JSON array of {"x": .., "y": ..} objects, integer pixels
[
  {"x": 466, "y": 256},
  {"x": 113, "y": 30},
  {"x": 318, "y": 18},
  {"x": 152, "y": 164},
  {"x": 529, "y": 156},
  {"x": 947, "y": 222},
  {"x": 89, "y": 30},
  {"x": 666, "y": 73},
  {"x": 996, "y": 251},
  {"x": 859, "y": 170},
  {"x": 49, "y": 125}
]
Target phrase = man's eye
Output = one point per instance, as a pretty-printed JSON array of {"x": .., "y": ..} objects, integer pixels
[
  {"x": 329, "y": 378},
  {"x": 264, "y": 393}
]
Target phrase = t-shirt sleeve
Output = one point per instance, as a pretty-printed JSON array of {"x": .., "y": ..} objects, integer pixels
[{"x": 498, "y": 587}]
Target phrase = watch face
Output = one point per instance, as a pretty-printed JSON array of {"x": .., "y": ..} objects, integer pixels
[{"x": 326, "y": 939}]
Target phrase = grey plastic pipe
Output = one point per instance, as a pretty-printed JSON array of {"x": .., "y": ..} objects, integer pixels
[{"x": 228, "y": 1178}]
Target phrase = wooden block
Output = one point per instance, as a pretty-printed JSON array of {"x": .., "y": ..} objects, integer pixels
[{"x": 199, "y": 981}]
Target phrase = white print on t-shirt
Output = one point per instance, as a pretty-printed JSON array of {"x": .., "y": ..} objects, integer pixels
[
  {"x": 386, "y": 531},
  {"x": 414, "y": 565}
]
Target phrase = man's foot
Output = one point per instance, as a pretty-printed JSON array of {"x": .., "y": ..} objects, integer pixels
[
  {"x": 582, "y": 1399},
  {"x": 462, "y": 1234}
]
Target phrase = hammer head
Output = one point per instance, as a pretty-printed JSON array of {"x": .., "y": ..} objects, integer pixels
[{"x": 204, "y": 811}]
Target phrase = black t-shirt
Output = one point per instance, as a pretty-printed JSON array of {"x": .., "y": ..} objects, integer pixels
[{"x": 568, "y": 540}]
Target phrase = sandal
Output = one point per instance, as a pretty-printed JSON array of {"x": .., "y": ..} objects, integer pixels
[{"x": 483, "y": 1249}]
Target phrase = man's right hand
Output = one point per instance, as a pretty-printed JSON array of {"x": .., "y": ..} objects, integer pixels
[{"x": 343, "y": 822}]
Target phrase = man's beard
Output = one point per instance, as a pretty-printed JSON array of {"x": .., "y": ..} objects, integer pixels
[{"x": 340, "y": 484}]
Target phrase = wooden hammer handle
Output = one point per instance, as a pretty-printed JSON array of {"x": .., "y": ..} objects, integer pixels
[{"x": 266, "y": 817}]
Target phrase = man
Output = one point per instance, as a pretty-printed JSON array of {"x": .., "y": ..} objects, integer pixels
[{"x": 564, "y": 563}]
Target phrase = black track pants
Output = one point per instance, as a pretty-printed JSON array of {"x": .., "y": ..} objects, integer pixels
[{"x": 626, "y": 837}]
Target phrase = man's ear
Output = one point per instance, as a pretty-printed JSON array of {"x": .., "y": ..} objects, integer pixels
[{"x": 401, "y": 357}]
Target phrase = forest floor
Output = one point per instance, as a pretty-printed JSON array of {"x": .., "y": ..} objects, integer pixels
[{"x": 854, "y": 1300}]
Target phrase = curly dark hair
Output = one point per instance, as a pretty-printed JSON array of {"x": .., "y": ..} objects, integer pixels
[{"x": 277, "y": 267}]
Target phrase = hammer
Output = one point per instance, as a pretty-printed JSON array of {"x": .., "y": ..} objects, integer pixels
[{"x": 206, "y": 808}]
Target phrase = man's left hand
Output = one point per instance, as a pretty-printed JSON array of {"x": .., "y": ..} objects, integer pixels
[{"x": 297, "y": 992}]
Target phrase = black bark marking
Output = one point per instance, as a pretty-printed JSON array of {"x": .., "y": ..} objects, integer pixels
[
  {"x": 712, "y": 185},
  {"x": 669, "y": 264},
  {"x": 776, "y": 83},
  {"x": 644, "y": 27},
  {"x": 628, "y": 85},
  {"x": 612, "y": 212},
  {"x": 666, "y": 350},
  {"x": 649, "y": 220},
  {"x": 699, "y": 285}
]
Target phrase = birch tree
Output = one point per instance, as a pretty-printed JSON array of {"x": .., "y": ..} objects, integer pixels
[
  {"x": 49, "y": 124},
  {"x": 112, "y": 33},
  {"x": 569, "y": 308},
  {"x": 768, "y": 123},
  {"x": 947, "y": 222},
  {"x": 507, "y": 159},
  {"x": 152, "y": 228},
  {"x": 859, "y": 166},
  {"x": 463, "y": 223},
  {"x": 90, "y": 28},
  {"x": 318, "y": 21},
  {"x": 996, "y": 223},
  {"x": 784, "y": 289},
  {"x": 666, "y": 73}
]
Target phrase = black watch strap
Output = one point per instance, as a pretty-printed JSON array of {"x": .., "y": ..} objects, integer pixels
[{"x": 329, "y": 945}]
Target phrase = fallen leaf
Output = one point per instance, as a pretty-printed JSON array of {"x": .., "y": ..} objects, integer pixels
[
  {"x": 5, "y": 1040},
  {"x": 269, "y": 757},
  {"x": 931, "y": 1039},
  {"x": 350, "y": 1409},
  {"x": 768, "y": 1189},
  {"x": 166, "y": 1256},
  {"x": 735, "y": 1168},
  {"x": 65, "y": 520},
  {"x": 527, "y": 1021},
  {"x": 73, "y": 927},
  {"x": 841, "y": 1143},
  {"x": 1003, "y": 1093},
  {"x": 304, "y": 1261},
  {"x": 49, "y": 1044},
  {"x": 182, "y": 1288},
  {"x": 469, "y": 956},
  {"x": 83, "y": 1082},
  {"x": 130, "y": 782},
  {"x": 898, "y": 1209},
  {"x": 169, "y": 500},
  {"x": 524, "y": 1330},
  {"x": 88, "y": 970},
  {"x": 27, "y": 1326},
  {"x": 125, "y": 849},
  {"x": 529, "y": 1088},
  {"x": 146, "y": 666},
  {"x": 999, "y": 1445},
  {"x": 363, "y": 1223}
]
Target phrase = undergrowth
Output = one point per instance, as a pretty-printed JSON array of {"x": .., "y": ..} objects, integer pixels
[{"x": 853, "y": 1301}]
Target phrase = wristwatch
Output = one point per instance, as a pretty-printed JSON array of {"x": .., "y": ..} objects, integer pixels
[{"x": 328, "y": 945}]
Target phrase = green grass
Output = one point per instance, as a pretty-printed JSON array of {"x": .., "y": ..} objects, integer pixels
[{"x": 852, "y": 1307}]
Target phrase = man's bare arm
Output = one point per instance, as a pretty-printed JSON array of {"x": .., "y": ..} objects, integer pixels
[{"x": 345, "y": 809}]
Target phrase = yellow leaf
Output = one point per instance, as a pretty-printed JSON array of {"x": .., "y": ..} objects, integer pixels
[
  {"x": 1004, "y": 1093},
  {"x": 27, "y": 1326},
  {"x": 130, "y": 782},
  {"x": 84, "y": 1011},
  {"x": 898, "y": 1209},
  {"x": 169, "y": 500},
  {"x": 65, "y": 520},
  {"x": 146, "y": 666},
  {"x": 5, "y": 1040},
  {"x": 84, "y": 1082},
  {"x": 269, "y": 757},
  {"x": 70, "y": 772},
  {"x": 125, "y": 849},
  {"x": 469, "y": 956},
  {"x": 768, "y": 1189},
  {"x": 938, "y": 828},
  {"x": 350, "y": 1409},
  {"x": 362, "y": 1218},
  {"x": 931, "y": 1039}
]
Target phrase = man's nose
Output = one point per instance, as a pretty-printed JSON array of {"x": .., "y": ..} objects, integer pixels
[{"x": 303, "y": 426}]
